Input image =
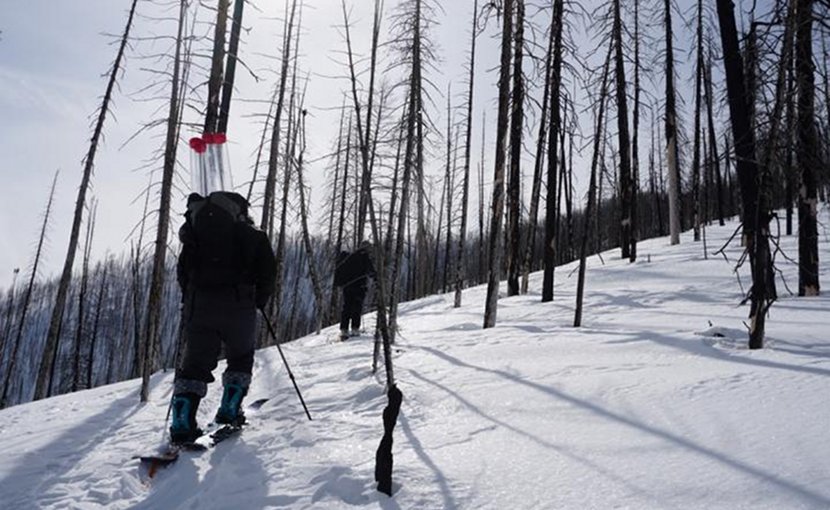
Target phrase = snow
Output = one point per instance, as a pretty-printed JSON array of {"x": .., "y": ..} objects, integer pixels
[{"x": 654, "y": 403}]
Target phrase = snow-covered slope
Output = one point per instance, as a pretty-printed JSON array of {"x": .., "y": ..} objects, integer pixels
[{"x": 654, "y": 403}]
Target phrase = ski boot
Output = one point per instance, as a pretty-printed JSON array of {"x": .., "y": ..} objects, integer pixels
[
  {"x": 355, "y": 332},
  {"x": 344, "y": 335},
  {"x": 230, "y": 411},
  {"x": 183, "y": 430}
]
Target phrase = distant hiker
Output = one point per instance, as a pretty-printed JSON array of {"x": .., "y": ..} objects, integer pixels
[
  {"x": 226, "y": 271},
  {"x": 352, "y": 274}
]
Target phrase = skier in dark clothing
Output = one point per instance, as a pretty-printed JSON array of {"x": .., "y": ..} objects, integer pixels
[
  {"x": 352, "y": 274},
  {"x": 226, "y": 271}
]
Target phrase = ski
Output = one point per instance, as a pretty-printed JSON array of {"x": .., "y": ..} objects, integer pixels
[{"x": 151, "y": 463}]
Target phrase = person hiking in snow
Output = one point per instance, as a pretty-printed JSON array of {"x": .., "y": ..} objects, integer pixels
[
  {"x": 226, "y": 271},
  {"x": 352, "y": 274}
]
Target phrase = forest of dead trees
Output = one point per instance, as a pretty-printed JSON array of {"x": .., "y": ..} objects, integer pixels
[{"x": 605, "y": 126}]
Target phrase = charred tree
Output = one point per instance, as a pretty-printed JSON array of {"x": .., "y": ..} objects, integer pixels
[
  {"x": 625, "y": 181},
  {"x": 696, "y": 157},
  {"x": 514, "y": 195},
  {"x": 494, "y": 243},
  {"x": 233, "y": 56},
  {"x": 152, "y": 326},
  {"x": 755, "y": 215},
  {"x": 465, "y": 189},
  {"x": 42, "y": 386},
  {"x": 27, "y": 297},
  {"x": 671, "y": 133},
  {"x": 217, "y": 68},
  {"x": 267, "y": 223},
  {"x": 549, "y": 257},
  {"x": 592, "y": 190},
  {"x": 538, "y": 164}
]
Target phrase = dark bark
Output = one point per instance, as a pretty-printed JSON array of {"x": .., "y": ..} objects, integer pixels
[
  {"x": 535, "y": 193},
  {"x": 808, "y": 154},
  {"x": 624, "y": 147},
  {"x": 217, "y": 67},
  {"x": 102, "y": 296},
  {"x": 152, "y": 326},
  {"x": 592, "y": 188},
  {"x": 267, "y": 223},
  {"x": 494, "y": 244},
  {"x": 514, "y": 195},
  {"x": 671, "y": 133},
  {"x": 549, "y": 253},
  {"x": 465, "y": 191},
  {"x": 755, "y": 215},
  {"x": 696, "y": 149},
  {"x": 27, "y": 297},
  {"x": 42, "y": 387},
  {"x": 713, "y": 143},
  {"x": 233, "y": 56}
]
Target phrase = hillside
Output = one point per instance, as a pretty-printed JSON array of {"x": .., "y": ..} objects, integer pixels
[{"x": 654, "y": 403}]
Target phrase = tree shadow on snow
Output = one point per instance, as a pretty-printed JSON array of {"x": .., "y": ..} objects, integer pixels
[
  {"x": 805, "y": 494},
  {"x": 51, "y": 464},
  {"x": 558, "y": 448}
]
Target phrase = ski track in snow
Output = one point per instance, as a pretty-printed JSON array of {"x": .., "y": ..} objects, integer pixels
[{"x": 654, "y": 403}]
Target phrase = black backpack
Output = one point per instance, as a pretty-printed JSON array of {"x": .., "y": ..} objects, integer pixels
[
  {"x": 214, "y": 237},
  {"x": 341, "y": 270}
]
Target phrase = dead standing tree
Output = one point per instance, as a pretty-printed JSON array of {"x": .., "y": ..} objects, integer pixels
[
  {"x": 625, "y": 181},
  {"x": 44, "y": 376},
  {"x": 514, "y": 195},
  {"x": 270, "y": 183},
  {"x": 80, "y": 333},
  {"x": 312, "y": 267},
  {"x": 672, "y": 153},
  {"x": 27, "y": 297},
  {"x": 152, "y": 326},
  {"x": 755, "y": 215},
  {"x": 267, "y": 223},
  {"x": 465, "y": 187},
  {"x": 551, "y": 208},
  {"x": 494, "y": 243},
  {"x": 807, "y": 152},
  {"x": 217, "y": 68},
  {"x": 536, "y": 186},
  {"x": 592, "y": 189}
]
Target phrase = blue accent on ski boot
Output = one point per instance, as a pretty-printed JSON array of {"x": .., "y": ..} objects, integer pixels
[
  {"x": 230, "y": 411},
  {"x": 183, "y": 428}
]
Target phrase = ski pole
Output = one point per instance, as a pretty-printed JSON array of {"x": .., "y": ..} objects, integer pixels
[{"x": 274, "y": 335}]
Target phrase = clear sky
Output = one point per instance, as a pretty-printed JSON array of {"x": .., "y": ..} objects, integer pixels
[{"x": 53, "y": 60}]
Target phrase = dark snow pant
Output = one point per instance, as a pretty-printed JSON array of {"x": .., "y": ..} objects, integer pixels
[
  {"x": 215, "y": 318},
  {"x": 353, "y": 297}
]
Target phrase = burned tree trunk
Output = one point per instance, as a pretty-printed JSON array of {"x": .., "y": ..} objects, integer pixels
[
  {"x": 494, "y": 244},
  {"x": 152, "y": 327},
  {"x": 312, "y": 267},
  {"x": 465, "y": 192},
  {"x": 42, "y": 387},
  {"x": 671, "y": 134},
  {"x": 233, "y": 49},
  {"x": 592, "y": 189},
  {"x": 625, "y": 180},
  {"x": 27, "y": 297},
  {"x": 696, "y": 156},
  {"x": 267, "y": 223},
  {"x": 514, "y": 195},
  {"x": 807, "y": 153},
  {"x": 217, "y": 68},
  {"x": 538, "y": 164},
  {"x": 549, "y": 257},
  {"x": 755, "y": 215}
]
